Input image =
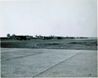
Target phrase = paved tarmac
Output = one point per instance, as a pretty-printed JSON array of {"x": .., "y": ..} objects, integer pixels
[{"x": 20, "y": 63}]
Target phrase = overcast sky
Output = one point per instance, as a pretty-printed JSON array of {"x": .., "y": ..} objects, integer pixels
[{"x": 49, "y": 17}]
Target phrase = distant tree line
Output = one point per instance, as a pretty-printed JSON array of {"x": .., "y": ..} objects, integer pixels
[{"x": 27, "y": 37}]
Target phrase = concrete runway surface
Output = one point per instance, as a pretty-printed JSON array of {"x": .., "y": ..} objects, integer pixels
[{"x": 38, "y": 63}]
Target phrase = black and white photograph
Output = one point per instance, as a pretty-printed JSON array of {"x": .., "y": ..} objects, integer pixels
[{"x": 48, "y": 38}]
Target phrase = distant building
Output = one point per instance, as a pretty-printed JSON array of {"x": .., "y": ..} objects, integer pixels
[{"x": 20, "y": 37}]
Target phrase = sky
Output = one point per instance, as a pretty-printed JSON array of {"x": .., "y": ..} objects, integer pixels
[{"x": 49, "y": 17}]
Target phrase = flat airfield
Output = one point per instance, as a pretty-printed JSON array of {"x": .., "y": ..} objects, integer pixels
[{"x": 22, "y": 62}]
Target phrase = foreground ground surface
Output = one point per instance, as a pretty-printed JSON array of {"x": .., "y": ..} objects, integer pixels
[{"x": 48, "y": 63}]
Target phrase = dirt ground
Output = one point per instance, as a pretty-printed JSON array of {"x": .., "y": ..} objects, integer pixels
[{"x": 21, "y": 63}]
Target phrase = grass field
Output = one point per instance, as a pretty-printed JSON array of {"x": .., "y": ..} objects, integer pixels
[{"x": 84, "y": 44}]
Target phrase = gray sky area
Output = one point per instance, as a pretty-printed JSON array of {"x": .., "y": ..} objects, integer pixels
[{"x": 49, "y": 17}]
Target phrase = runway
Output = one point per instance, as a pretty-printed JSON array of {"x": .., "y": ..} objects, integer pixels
[{"x": 22, "y": 62}]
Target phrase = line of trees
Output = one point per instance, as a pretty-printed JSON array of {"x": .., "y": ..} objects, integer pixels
[{"x": 28, "y": 37}]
